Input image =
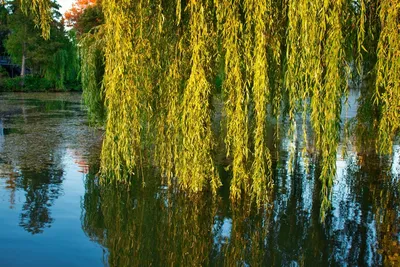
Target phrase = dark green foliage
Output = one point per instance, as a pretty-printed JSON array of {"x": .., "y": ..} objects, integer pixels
[
  {"x": 3, "y": 73},
  {"x": 55, "y": 59},
  {"x": 29, "y": 83},
  {"x": 3, "y": 28},
  {"x": 91, "y": 17},
  {"x": 91, "y": 42}
]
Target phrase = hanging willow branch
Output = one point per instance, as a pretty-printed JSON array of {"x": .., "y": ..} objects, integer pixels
[
  {"x": 196, "y": 166},
  {"x": 237, "y": 95},
  {"x": 92, "y": 72},
  {"x": 122, "y": 140},
  {"x": 158, "y": 82},
  {"x": 330, "y": 106},
  {"x": 262, "y": 165},
  {"x": 42, "y": 11},
  {"x": 169, "y": 109},
  {"x": 314, "y": 60},
  {"x": 388, "y": 73}
]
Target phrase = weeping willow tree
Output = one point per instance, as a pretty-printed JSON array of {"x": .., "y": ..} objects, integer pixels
[
  {"x": 42, "y": 11},
  {"x": 237, "y": 95},
  {"x": 160, "y": 62},
  {"x": 196, "y": 166},
  {"x": 92, "y": 73},
  {"x": 64, "y": 64},
  {"x": 388, "y": 70},
  {"x": 123, "y": 128}
]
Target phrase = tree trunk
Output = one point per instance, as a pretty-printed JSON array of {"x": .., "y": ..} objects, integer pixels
[{"x": 23, "y": 62}]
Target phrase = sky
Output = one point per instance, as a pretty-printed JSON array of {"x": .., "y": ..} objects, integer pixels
[{"x": 65, "y": 5}]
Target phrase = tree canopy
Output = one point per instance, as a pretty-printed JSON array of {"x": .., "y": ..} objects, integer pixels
[
  {"x": 54, "y": 58},
  {"x": 165, "y": 62}
]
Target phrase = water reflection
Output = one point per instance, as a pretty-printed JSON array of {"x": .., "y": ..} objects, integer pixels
[
  {"x": 145, "y": 226},
  {"x": 1, "y": 136},
  {"x": 41, "y": 140},
  {"x": 33, "y": 146},
  {"x": 34, "y": 162},
  {"x": 159, "y": 226},
  {"x": 41, "y": 190}
]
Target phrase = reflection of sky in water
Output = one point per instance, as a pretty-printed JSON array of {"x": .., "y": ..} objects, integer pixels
[
  {"x": 221, "y": 232},
  {"x": 1, "y": 136},
  {"x": 396, "y": 163},
  {"x": 64, "y": 242},
  {"x": 307, "y": 184},
  {"x": 42, "y": 183}
]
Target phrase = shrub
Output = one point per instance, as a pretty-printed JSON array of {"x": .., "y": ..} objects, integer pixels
[{"x": 29, "y": 83}]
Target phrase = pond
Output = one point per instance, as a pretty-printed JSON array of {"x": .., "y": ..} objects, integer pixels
[{"x": 54, "y": 212}]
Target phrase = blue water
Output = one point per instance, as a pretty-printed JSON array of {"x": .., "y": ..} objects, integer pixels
[{"x": 42, "y": 181}]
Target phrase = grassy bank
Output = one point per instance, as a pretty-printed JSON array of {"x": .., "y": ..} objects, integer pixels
[{"x": 31, "y": 83}]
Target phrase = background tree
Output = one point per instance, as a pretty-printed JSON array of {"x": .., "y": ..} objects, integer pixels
[
  {"x": 86, "y": 18},
  {"x": 24, "y": 39},
  {"x": 3, "y": 28},
  {"x": 84, "y": 15},
  {"x": 55, "y": 58}
]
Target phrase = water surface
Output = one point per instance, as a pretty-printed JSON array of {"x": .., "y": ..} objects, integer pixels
[
  {"x": 45, "y": 148},
  {"x": 53, "y": 212}
]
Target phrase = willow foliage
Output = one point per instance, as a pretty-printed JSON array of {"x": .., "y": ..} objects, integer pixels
[
  {"x": 122, "y": 139},
  {"x": 160, "y": 62},
  {"x": 171, "y": 74},
  {"x": 237, "y": 92},
  {"x": 64, "y": 65},
  {"x": 314, "y": 76},
  {"x": 330, "y": 106},
  {"x": 168, "y": 134},
  {"x": 196, "y": 167},
  {"x": 262, "y": 165},
  {"x": 388, "y": 73},
  {"x": 92, "y": 71},
  {"x": 42, "y": 12}
]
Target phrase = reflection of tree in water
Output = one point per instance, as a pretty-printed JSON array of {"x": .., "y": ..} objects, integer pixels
[
  {"x": 1, "y": 136},
  {"x": 154, "y": 225},
  {"x": 368, "y": 218},
  {"x": 40, "y": 129},
  {"x": 387, "y": 217},
  {"x": 246, "y": 243},
  {"x": 35, "y": 155},
  {"x": 41, "y": 189},
  {"x": 158, "y": 226},
  {"x": 39, "y": 158},
  {"x": 146, "y": 226},
  {"x": 295, "y": 233},
  {"x": 384, "y": 193}
]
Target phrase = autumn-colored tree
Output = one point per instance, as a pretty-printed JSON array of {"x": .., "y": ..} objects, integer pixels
[{"x": 74, "y": 13}]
